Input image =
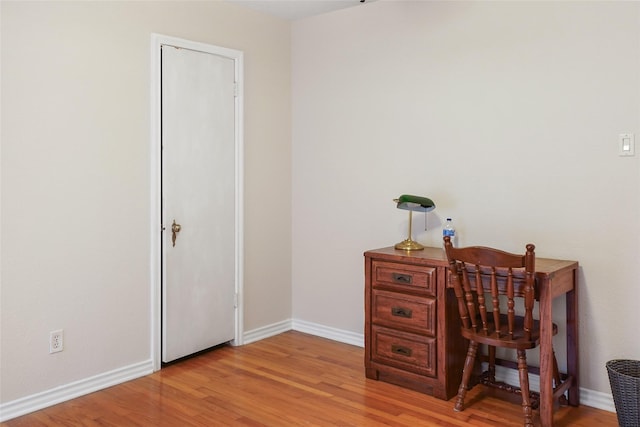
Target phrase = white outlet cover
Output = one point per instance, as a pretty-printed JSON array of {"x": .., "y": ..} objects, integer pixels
[{"x": 56, "y": 341}]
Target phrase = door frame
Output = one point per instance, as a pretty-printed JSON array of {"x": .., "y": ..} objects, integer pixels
[{"x": 156, "y": 226}]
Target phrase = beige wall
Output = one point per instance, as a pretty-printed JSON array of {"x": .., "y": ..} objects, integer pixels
[
  {"x": 506, "y": 114},
  {"x": 76, "y": 178}
]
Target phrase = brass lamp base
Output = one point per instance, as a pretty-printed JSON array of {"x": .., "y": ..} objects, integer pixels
[{"x": 409, "y": 245}]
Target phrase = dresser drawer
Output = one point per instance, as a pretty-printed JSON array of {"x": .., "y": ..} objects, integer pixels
[
  {"x": 410, "y": 277},
  {"x": 410, "y": 352},
  {"x": 402, "y": 311}
]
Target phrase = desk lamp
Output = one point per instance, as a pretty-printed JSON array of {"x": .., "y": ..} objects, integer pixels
[{"x": 411, "y": 204}]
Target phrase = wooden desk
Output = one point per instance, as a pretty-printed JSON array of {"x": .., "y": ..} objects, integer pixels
[{"x": 553, "y": 278}]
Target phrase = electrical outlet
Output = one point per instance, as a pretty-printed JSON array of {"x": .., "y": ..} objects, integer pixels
[{"x": 56, "y": 341}]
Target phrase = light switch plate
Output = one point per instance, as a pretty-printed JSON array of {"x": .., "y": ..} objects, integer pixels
[{"x": 626, "y": 144}]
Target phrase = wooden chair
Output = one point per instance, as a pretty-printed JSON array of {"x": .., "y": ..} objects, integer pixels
[{"x": 488, "y": 314}]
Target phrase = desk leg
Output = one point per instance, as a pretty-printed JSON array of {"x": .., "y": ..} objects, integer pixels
[
  {"x": 546, "y": 356},
  {"x": 573, "y": 355}
]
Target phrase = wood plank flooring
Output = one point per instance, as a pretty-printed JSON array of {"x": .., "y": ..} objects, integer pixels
[{"x": 292, "y": 379}]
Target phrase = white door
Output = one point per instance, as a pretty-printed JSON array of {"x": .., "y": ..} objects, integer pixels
[{"x": 199, "y": 201}]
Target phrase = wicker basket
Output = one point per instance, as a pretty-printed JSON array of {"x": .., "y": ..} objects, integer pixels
[{"x": 624, "y": 377}]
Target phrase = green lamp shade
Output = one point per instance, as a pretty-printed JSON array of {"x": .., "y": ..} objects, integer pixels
[{"x": 415, "y": 203}]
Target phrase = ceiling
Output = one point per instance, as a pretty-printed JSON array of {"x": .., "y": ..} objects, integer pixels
[{"x": 297, "y": 9}]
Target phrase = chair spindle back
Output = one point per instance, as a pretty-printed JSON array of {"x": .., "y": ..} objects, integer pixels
[{"x": 480, "y": 275}]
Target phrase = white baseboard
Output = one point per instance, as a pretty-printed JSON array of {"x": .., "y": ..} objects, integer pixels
[
  {"x": 72, "y": 390},
  {"x": 592, "y": 398},
  {"x": 310, "y": 328},
  {"x": 266, "y": 331},
  {"x": 334, "y": 334}
]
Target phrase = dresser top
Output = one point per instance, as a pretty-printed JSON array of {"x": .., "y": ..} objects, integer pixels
[
  {"x": 436, "y": 257},
  {"x": 430, "y": 255}
]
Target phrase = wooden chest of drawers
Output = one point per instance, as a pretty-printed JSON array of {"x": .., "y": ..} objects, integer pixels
[{"x": 412, "y": 330}]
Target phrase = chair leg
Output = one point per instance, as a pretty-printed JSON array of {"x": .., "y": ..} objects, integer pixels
[
  {"x": 556, "y": 378},
  {"x": 466, "y": 375},
  {"x": 492, "y": 363},
  {"x": 524, "y": 388}
]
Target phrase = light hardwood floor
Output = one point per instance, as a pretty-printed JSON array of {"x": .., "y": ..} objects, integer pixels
[{"x": 292, "y": 379}]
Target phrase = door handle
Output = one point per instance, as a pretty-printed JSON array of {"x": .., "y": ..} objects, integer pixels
[{"x": 175, "y": 229}]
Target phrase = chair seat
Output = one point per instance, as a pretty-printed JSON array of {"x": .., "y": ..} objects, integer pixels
[{"x": 502, "y": 339}]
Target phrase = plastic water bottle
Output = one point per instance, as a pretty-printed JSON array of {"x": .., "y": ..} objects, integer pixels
[{"x": 449, "y": 230}]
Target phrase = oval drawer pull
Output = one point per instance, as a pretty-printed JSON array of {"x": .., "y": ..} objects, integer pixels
[
  {"x": 402, "y": 278},
  {"x": 401, "y": 312},
  {"x": 401, "y": 350}
]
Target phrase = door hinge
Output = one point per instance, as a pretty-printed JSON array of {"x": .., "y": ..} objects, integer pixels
[
  {"x": 235, "y": 300},
  {"x": 235, "y": 89}
]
